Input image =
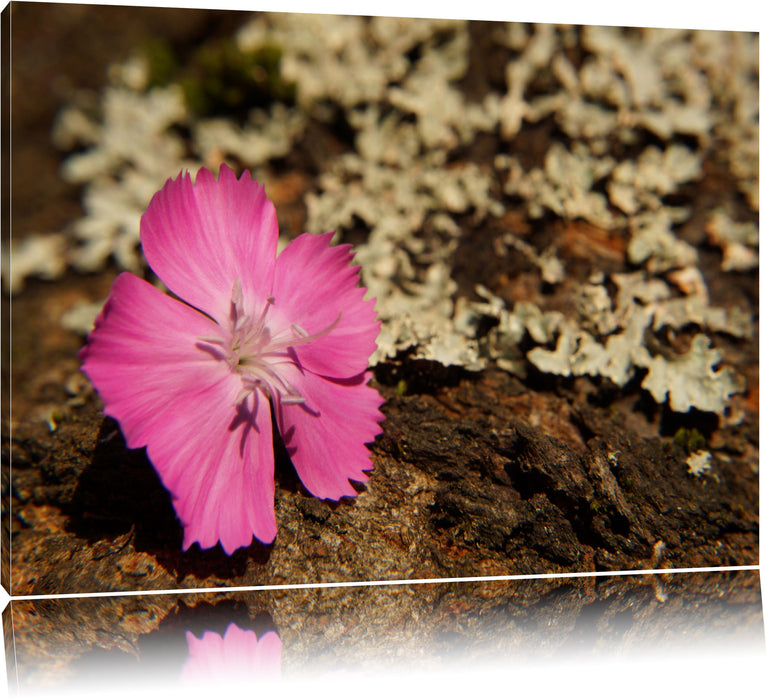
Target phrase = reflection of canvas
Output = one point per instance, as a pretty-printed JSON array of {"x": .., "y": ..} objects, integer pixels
[
  {"x": 558, "y": 227},
  {"x": 358, "y": 635}
]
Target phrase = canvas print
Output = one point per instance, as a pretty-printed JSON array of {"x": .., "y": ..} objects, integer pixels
[{"x": 306, "y": 298}]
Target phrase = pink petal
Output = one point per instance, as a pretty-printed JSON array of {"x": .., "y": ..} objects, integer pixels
[
  {"x": 174, "y": 397},
  {"x": 326, "y": 436},
  {"x": 199, "y": 238},
  {"x": 235, "y": 656},
  {"x": 222, "y": 475},
  {"x": 314, "y": 283}
]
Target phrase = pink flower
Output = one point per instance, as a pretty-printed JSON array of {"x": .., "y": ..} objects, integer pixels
[
  {"x": 237, "y": 656},
  {"x": 260, "y": 336}
]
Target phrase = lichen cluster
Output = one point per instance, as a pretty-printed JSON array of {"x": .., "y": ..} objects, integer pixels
[{"x": 637, "y": 117}]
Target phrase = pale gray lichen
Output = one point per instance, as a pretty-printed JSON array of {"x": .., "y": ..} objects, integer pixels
[
  {"x": 731, "y": 66},
  {"x": 395, "y": 196},
  {"x": 578, "y": 353},
  {"x": 134, "y": 131},
  {"x": 129, "y": 154},
  {"x": 80, "y": 317},
  {"x": 640, "y": 184},
  {"x": 680, "y": 312},
  {"x": 41, "y": 255},
  {"x": 325, "y": 56},
  {"x": 551, "y": 266},
  {"x": 444, "y": 118},
  {"x": 595, "y": 307},
  {"x": 266, "y": 135},
  {"x": 345, "y": 60},
  {"x": 744, "y": 156},
  {"x": 654, "y": 243},
  {"x": 638, "y": 287},
  {"x": 698, "y": 463},
  {"x": 534, "y": 53},
  {"x": 608, "y": 339},
  {"x": 501, "y": 343},
  {"x": 738, "y": 241},
  {"x": 564, "y": 185},
  {"x": 524, "y": 317},
  {"x": 421, "y": 318},
  {"x": 690, "y": 380},
  {"x": 650, "y": 84}
]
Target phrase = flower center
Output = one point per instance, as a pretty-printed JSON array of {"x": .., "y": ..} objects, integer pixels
[{"x": 257, "y": 354}]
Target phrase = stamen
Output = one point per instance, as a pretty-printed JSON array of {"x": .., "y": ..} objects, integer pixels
[
  {"x": 258, "y": 354},
  {"x": 281, "y": 380},
  {"x": 325, "y": 331},
  {"x": 212, "y": 339},
  {"x": 244, "y": 394},
  {"x": 237, "y": 295},
  {"x": 242, "y": 321},
  {"x": 270, "y": 302},
  {"x": 287, "y": 342}
]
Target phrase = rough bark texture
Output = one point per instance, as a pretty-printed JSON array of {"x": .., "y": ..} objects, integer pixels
[{"x": 476, "y": 477}]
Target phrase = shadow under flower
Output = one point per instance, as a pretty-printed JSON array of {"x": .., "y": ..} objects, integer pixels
[
  {"x": 119, "y": 501},
  {"x": 120, "y": 498}
]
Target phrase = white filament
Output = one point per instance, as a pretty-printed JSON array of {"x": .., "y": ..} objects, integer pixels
[{"x": 257, "y": 354}]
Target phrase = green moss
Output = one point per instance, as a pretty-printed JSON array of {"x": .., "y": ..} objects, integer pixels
[
  {"x": 219, "y": 78},
  {"x": 162, "y": 62},
  {"x": 224, "y": 79},
  {"x": 401, "y": 387},
  {"x": 690, "y": 438}
]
